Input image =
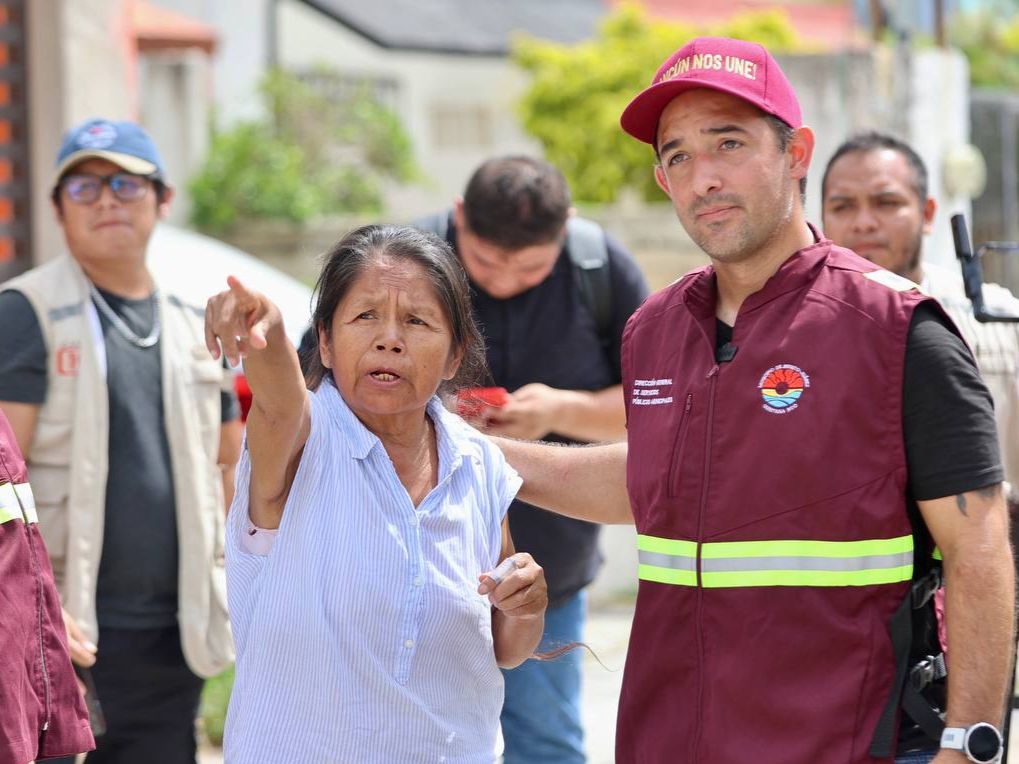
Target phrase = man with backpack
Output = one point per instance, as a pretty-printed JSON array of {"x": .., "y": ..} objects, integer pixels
[{"x": 552, "y": 294}]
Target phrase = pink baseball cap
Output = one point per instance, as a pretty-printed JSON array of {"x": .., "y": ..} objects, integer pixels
[{"x": 743, "y": 69}]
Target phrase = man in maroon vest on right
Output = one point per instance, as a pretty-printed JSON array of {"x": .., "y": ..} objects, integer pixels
[{"x": 783, "y": 520}]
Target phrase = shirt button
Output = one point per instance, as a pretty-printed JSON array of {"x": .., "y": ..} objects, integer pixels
[
  {"x": 417, "y": 580},
  {"x": 413, "y": 521},
  {"x": 409, "y": 643}
]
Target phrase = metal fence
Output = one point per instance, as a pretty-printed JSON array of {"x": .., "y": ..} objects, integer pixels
[{"x": 994, "y": 118}]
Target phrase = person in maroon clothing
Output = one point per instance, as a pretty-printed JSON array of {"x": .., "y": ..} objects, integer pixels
[
  {"x": 42, "y": 713},
  {"x": 779, "y": 402}
]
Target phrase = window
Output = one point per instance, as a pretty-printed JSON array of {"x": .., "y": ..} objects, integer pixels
[
  {"x": 347, "y": 87},
  {"x": 460, "y": 126}
]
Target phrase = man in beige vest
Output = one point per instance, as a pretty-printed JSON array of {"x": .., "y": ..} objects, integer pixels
[{"x": 130, "y": 431}]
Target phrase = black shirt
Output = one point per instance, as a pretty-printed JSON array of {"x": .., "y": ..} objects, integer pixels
[
  {"x": 548, "y": 334},
  {"x": 137, "y": 582}
]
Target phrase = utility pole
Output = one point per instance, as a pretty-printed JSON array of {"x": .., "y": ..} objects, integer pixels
[
  {"x": 877, "y": 20},
  {"x": 939, "y": 23}
]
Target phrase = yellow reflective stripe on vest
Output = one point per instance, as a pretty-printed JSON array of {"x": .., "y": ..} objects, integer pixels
[
  {"x": 667, "y": 561},
  {"x": 10, "y": 507},
  {"x": 777, "y": 563}
]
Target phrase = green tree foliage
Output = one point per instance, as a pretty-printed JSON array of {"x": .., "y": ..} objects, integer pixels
[
  {"x": 990, "y": 40},
  {"x": 578, "y": 92},
  {"x": 313, "y": 155}
]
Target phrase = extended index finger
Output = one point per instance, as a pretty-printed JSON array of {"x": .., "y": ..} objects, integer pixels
[{"x": 245, "y": 297}]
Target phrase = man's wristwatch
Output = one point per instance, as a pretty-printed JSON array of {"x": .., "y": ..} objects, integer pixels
[{"x": 981, "y": 742}]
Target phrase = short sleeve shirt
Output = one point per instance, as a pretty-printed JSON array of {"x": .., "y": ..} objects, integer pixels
[{"x": 371, "y": 601}]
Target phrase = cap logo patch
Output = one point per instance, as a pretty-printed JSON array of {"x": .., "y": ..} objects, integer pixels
[
  {"x": 711, "y": 62},
  {"x": 98, "y": 136}
]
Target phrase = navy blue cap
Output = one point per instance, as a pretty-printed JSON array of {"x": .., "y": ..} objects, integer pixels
[{"x": 123, "y": 143}]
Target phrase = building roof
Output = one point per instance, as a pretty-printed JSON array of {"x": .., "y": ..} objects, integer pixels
[
  {"x": 156, "y": 28},
  {"x": 475, "y": 27},
  {"x": 824, "y": 24}
]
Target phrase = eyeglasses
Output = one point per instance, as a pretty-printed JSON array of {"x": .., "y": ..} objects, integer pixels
[{"x": 85, "y": 188}]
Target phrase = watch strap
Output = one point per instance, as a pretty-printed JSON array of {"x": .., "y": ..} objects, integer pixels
[{"x": 953, "y": 738}]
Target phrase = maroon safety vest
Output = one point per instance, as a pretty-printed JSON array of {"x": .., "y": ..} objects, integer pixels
[
  {"x": 42, "y": 714},
  {"x": 769, "y": 495}
]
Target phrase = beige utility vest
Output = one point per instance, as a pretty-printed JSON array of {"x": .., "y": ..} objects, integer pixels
[{"x": 68, "y": 458}]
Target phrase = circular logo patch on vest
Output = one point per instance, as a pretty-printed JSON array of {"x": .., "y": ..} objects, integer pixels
[{"x": 781, "y": 388}]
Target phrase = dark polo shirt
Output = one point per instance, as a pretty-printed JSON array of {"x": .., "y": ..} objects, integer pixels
[{"x": 548, "y": 334}]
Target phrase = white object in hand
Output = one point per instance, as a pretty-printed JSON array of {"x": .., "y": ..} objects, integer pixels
[{"x": 505, "y": 567}]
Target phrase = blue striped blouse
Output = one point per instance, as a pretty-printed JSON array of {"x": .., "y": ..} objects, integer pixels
[{"x": 360, "y": 634}]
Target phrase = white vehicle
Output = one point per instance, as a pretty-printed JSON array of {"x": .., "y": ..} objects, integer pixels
[{"x": 195, "y": 267}]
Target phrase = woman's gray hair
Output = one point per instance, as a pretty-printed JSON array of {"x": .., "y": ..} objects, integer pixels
[{"x": 366, "y": 246}]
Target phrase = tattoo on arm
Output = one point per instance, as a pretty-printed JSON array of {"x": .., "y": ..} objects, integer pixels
[
  {"x": 960, "y": 502},
  {"x": 987, "y": 492},
  {"x": 990, "y": 491}
]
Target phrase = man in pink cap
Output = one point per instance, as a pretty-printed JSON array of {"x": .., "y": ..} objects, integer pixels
[{"x": 786, "y": 534}]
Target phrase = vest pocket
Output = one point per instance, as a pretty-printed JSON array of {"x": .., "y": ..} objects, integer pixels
[
  {"x": 49, "y": 486},
  {"x": 678, "y": 447},
  {"x": 207, "y": 371}
]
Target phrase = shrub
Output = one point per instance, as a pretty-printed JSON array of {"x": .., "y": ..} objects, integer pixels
[{"x": 314, "y": 155}]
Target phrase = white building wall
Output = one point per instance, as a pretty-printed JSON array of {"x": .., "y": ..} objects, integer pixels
[
  {"x": 242, "y": 54},
  {"x": 78, "y": 67},
  {"x": 939, "y": 122},
  {"x": 176, "y": 109},
  {"x": 97, "y": 71}
]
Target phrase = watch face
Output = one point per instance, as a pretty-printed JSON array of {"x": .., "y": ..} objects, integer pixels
[{"x": 983, "y": 742}]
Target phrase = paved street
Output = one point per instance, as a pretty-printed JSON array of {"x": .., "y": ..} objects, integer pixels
[{"x": 607, "y": 633}]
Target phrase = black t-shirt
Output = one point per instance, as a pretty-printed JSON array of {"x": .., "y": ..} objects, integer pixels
[
  {"x": 548, "y": 334},
  {"x": 137, "y": 581},
  {"x": 947, "y": 412}
]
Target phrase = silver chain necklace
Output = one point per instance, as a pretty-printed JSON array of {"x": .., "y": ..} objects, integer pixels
[{"x": 123, "y": 328}]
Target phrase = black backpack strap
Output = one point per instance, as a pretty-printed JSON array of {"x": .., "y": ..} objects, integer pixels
[
  {"x": 918, "y": 707},
  {"x": 883, "y": 744},
  {"x": 589, "y": 254},
  {"x": 911, "y": 680},
  {"x": 437, "y": 223}
]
